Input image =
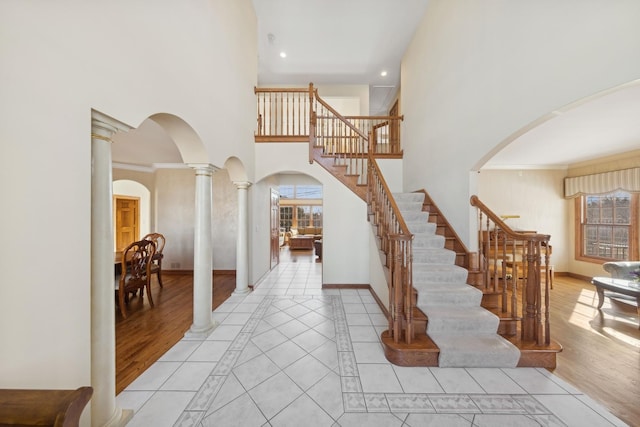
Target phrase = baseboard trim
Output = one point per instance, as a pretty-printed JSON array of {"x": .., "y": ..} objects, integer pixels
[
  {"x": 224, "y": 272},
  {"x": 580, "y": 277},
  {"x": 339, "y": 286},
  {"x": 190, "y": 272}
]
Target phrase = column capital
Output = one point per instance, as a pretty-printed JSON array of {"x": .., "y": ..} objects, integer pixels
[
  {"x": 242, "y": 185},
  {"x": 103, "y": 127},
  {"x": 203, "y": 168}
]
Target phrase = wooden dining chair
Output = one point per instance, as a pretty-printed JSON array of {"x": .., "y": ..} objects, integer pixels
[
  {"x": 156, "y": 265},
  {"x": 136, "y": 272}
]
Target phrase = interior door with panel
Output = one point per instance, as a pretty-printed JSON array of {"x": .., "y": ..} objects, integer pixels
[{"x": 127, "y": 212}]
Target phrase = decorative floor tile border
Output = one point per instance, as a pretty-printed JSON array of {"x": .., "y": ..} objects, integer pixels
[{"x": 353, "y": 397}]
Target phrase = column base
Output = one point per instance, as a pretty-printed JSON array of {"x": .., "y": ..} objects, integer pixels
[
  {"x": 244, "y": 291},
  {"x": 200, "y": 332},
  {"x": 121, "y": 418}
]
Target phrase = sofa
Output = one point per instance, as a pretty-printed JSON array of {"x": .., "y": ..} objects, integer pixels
[
  {"x": 628, "y": 270},
  {"x": 315, "y": 232}
]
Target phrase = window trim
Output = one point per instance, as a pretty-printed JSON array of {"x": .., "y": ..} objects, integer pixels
[{"x": 579, "y": 239}]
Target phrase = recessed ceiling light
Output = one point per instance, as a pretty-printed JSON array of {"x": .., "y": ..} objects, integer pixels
[
  {"x": 383, "y": 73},
  {"x": 283, "y": 54}
]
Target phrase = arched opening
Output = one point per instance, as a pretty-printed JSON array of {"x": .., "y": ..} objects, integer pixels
[{"x": 296, "y": 235}]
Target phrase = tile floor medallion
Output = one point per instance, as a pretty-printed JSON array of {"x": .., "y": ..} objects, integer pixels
[{"x": 281, "y": 357}]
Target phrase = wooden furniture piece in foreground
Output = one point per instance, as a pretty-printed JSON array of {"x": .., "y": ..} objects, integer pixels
[
  {"x": 619, "y": 288},
  {"x": 318, "y": 247},
  {"x": 136, "y": 272},
  {"x": 156, "y": 264},
  {"x": 301, "y": 242},
  {"x": 55, "y": 408}
]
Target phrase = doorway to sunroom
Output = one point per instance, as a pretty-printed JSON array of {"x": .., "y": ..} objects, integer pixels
[{"x": 300, "y": 218}]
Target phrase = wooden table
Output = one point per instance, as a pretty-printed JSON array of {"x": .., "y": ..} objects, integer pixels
[
  {"x": 619, "y": 288},
  {"x": 301, "y": 242}
]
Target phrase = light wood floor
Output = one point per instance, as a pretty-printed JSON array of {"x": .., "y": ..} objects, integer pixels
[
  {"x": 601, "y": 355},
  {"x": 601, "y": 350}
]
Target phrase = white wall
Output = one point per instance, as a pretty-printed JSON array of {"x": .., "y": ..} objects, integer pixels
[
  {"x": 196, "y": 60},
  {"x": 345, "y": 235},
  {"x": 225, "y": 221},
  {"x": 476, "y": 72},
  {"x": 392, "y": 172},
  {"x": 377, "y": 275},
  {"x": 537, "y": 197}
]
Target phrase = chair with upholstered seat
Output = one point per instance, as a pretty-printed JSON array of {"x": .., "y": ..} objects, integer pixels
[
  {"x": 156, "y": 265},
  {"x": 136, "y": 272}
]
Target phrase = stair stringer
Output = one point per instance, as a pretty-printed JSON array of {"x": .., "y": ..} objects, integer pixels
[{"x": 340, "y": 172}]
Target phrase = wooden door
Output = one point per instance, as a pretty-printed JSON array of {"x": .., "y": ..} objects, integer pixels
[
  {"x": 275, "y": 228},
  {"x": 127, "y": 219}
]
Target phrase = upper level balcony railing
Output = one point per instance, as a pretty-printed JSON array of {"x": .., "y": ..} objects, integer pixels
[{"x": 290, "y": 114}]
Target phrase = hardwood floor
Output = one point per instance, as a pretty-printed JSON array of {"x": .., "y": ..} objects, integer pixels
[
  {"x": 147, "y": 333},
  {"x": 601, "y": 355},
  {"x": 601, "y": 351}
]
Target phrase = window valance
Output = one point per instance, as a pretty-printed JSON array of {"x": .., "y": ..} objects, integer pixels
[{"x": 602, "y": 183}]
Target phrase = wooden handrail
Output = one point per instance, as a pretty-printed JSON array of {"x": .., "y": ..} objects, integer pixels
[
  {"x": 396, "y": 242},
  {"x": 276, "y": 90},
  {"x": 518, "y": 235},
  {"x": 337, "y": 115},
  {"x": 502, "y": 251},
  {"x": 283, "y": 115}
]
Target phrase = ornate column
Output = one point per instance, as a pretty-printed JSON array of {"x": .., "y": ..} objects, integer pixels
[
  {"x": 203, "y": 322},
  {"x": 104, "y": 411},
  {"x": 242, "y": 244}
]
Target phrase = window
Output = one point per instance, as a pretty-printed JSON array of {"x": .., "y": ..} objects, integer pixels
[
  {"x": 606, "y": 227},
  {"x": 286, "y": 217},
  {"x": 300, "y": 206},
  {"x": 304, "y": 216}
]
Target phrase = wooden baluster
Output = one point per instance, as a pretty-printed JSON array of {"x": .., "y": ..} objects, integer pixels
[
  {"x": 281, "y": 115},
  {"x": 514, "y": 289},
  {"x": 271, "y": 114},
  {"x": 547, "y": 282},
  {"x": 298, "y": 101}
]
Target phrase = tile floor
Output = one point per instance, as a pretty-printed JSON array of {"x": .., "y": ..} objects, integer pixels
[{"x": 291, "y": 354}]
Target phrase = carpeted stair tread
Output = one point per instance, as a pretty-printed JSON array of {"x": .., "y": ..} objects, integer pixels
[
  {"x": 465, "y": 332},
  {"x": 460, "y": 320},
  {"x": 408, "y": 197},
  {"x": 433, "y": 256},
  {"x": 477, "y": 351},
  {"x": 415, "y": 216},
  {"x": 447, "y": 294},
  {"x": 417, "y": 227},
  {"x": 439, "y": 273},
  {"x": 428, "y": 241}
]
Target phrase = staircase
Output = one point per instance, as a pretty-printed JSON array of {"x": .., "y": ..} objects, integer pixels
[
  {"x": 447, "y": 307},
  {"x": 464, "y": 332}
]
